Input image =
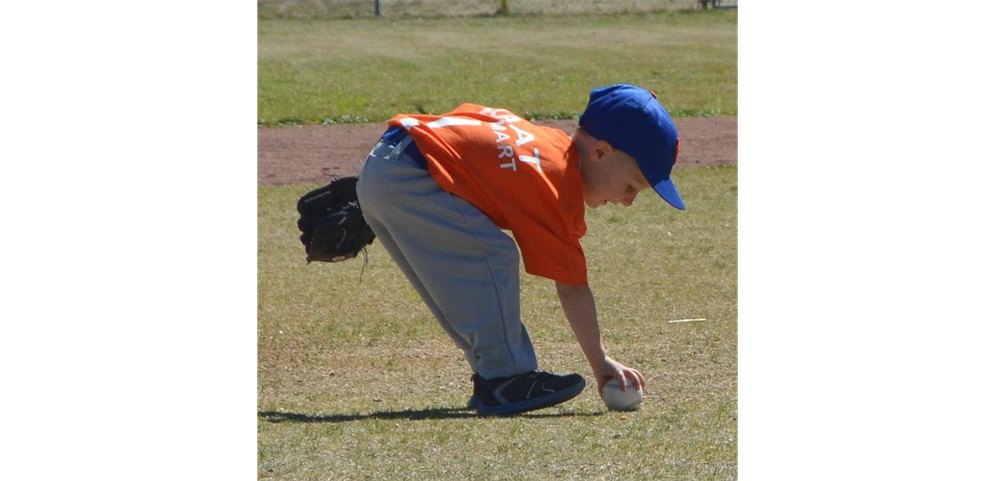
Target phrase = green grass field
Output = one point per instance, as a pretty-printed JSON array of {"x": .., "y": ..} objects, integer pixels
[
  {"x": 356, "y": 381},
  {"x": 340, "y": 9},
  {"x": 363, "y": 70}
]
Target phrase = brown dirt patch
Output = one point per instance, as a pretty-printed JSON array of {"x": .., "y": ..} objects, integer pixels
[{"x": 314, "y": 154}]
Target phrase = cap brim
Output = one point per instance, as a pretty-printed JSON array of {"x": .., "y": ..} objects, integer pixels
[{"x": 668, "y": 191}]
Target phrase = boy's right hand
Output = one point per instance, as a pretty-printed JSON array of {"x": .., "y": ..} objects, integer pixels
[{"x": 609, "y": 369}]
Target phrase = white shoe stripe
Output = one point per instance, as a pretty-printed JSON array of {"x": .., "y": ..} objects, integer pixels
[
  {"x": 533, "y": 386},
  {"x": 497, "y": 391}
]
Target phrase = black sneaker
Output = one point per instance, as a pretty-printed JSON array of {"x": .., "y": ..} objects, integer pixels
[{"x": 525, "y": 392}]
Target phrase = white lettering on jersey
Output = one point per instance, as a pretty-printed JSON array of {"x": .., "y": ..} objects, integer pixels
[
  {"x": 502, "y": 137},
  {"x": 499, "y": 125},
  {"x": 523, "y": 136},
  {"x": 450, "y": 121},
  {"x": 507, "y": 116},
  {"x": 506, "y": 151},
  {"x": 408, "y": 122},
  {"x": 532, "y": 160}
]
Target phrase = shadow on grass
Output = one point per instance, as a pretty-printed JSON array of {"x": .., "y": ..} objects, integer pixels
[{"x": 409, "y": 414}]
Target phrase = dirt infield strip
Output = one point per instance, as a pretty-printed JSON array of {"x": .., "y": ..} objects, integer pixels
[{"x": 314, "y": 154}]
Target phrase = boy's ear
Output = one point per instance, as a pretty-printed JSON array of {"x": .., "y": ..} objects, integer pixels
[{"x": 602, "y": 148}]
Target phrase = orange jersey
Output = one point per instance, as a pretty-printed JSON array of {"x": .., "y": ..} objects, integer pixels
[{"x": 524, "y": 177}]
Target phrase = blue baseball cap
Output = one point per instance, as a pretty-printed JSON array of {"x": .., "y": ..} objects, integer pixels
[{"x": 632, "y": 120}]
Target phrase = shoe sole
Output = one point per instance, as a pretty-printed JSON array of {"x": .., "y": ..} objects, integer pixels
[{"x": 532, "y": 404}]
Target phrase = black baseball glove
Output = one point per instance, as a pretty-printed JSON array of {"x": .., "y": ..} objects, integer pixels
[{"x": 332, "y": 225}]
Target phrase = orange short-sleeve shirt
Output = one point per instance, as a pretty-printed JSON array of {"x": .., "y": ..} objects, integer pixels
[{"x": 524, "y": 177}]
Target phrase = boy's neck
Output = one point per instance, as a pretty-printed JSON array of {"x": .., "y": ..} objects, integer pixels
[{"x": 583, "y": 142}]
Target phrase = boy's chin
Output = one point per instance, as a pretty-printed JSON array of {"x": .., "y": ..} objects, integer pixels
[{"x": 594, "y": 204}]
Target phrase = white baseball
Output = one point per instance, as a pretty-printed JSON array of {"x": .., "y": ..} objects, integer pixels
[{"x": 618, "y": 400}]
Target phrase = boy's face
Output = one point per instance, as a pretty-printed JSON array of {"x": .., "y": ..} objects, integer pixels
[{"x": 611, "y": 175}]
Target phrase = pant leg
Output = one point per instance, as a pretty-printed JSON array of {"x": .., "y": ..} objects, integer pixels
[
  {"x": 463, "y": 266},
  {"x": 383, "y": 235}
]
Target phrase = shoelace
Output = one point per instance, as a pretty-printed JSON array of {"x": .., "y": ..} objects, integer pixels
[{"x": 366, "y": 260}]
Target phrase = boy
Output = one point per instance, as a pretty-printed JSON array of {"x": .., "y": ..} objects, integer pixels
[{"x": 438, "y": 190}]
